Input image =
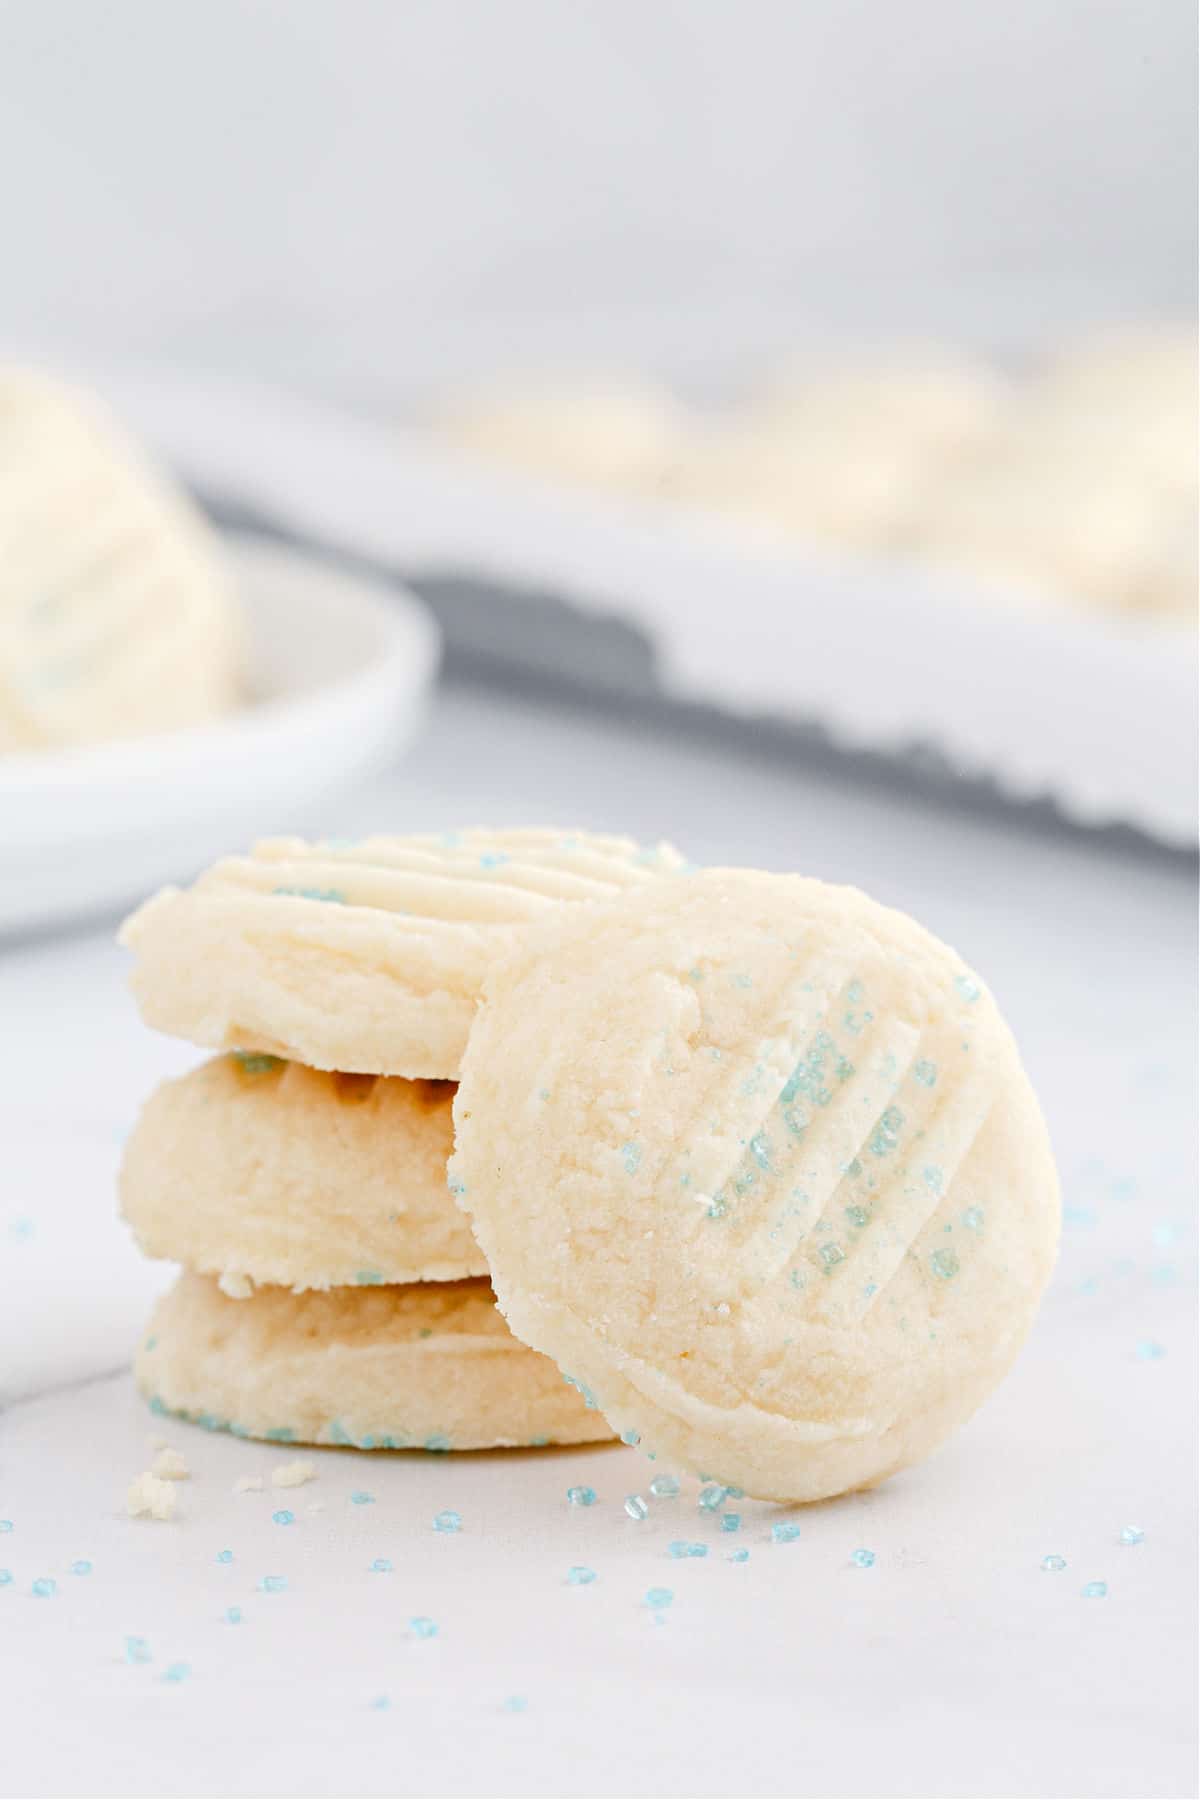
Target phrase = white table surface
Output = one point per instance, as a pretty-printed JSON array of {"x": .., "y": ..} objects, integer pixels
[{"x": 954, "y": 1666}]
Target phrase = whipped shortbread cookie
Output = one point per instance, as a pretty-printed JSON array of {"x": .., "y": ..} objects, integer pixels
[
  {"x": 117, "y": 616},
  {"x": 431, "y": 1366},
  {"x": 755, "y": 1160},
  {"x": 365, "y": 957},
  {"x": 261, "y": 1171}
]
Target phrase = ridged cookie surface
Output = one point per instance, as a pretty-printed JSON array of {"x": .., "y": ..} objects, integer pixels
[
  {"x": 755, "y": 1159},
  {"x": 263, "y": 1171},
  {"x": 432, "y": 1367},
  {"x": 365, "y": 957},
  {"x": 116, "y": 614}
]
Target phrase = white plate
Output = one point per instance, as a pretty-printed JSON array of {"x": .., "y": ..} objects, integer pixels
[{"x": 338, "y": 670}]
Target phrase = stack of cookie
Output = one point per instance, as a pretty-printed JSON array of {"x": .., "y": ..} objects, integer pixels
[{"x": 332, "y": 1291}]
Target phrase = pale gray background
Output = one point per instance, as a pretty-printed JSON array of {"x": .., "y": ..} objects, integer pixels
[{"x": 369, "y": 195}]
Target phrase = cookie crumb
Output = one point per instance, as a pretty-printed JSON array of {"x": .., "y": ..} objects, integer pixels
[
  {"x": 234, "y": 1286},
  {"x": 248, "y": 1484},
  {"x": 293, "y": 1474},
  {"x": 169, "y": 1465},
  {"x": 150, "y": 1497}
]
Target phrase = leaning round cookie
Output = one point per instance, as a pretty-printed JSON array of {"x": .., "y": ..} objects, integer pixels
[
  {"x": 432, "y": 1366},
  {"x": 786, "y": 1200},
  {"x": 367, "y": 957},
  {"x": 261, "y": 1171}
]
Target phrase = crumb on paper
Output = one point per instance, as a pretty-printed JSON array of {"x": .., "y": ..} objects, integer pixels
[
  {"x": 248, "y": 1484},
  {"x": 169, "y": 1465},
  {"x": 151, "y": 1498},
  {"x": 316, "y": 1507},
  {"x": 293, "y": 1474},
  {"x": 236, "y": 1287}
]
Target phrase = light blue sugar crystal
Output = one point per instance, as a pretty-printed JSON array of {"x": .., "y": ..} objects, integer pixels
[
  {"x": 635, "y": 1506},
  {"x": 447, "y": 1521},
  {"x": 731, "y": 1521},
  {"x": 82, "y": 1567},
  {"x": 6, "y": 1576},
  {"x": 1132, "y": 1534},
  {"x": 1054, "y": 1565},
  {"x": 177, "y": 1672},
  {"x": 1094, "y": 1590},
  {"x": 361, "y": 1498},
  {"x": 973, "y": 1218},
  {"x": 224, "y": 1556},
  {"x": 831, "y": 1255},
  {"x": 233, "y": 1615},
  {"x": 712, "y": 1497},
  {"x": 579, "y": 1575},
  {"x": 858, "y": 1216},
  {"x": 516, "y": 1703},
  {"x": 457, "y": 1186},
  {"x": 331, "y": 896},
  {"x": 44, "y": 1587},
  {"x": 632, "y": 1438},
  {"x": 738, "y": 1556},
  {"x": 381, "y": 1566},
  {"x": 944, "y": 1264},
  {"x": 368, "y": 1278},
  {"x": 6, "y": 1525},
  {"x": 137, "y": 1650},
  {"x": 493, "y": 859},
  {"x": 379, "y": 1703},
  {"x": 925, "y": 1072},
  {"x": 1150, "y": 1351},
  {"x": 284, "y": 1517},
  {"x": 863, "y": 1559},
  {"x": 422, "y": 1627},
  {"x": 968, "y": 987},
  {"x": 631, "y": 1157},
  {"x": 664, "y": 1487},
  {"x": 273, "y": 1584},
  {"x": 659, "y": 1597},
  {"x": 785, "y": 1531},
  {"x": 581, "y": 1496}
]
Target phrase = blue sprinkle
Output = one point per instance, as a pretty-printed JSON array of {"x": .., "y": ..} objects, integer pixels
[
  {"x": 422, "y": 1628},
  {"x": 273, "y": 1584},
  {"x": 44, "y": 1587},
  {"x": 658, "y": 1597},
  {"x": 863, "y": 1559},
  {"x": 447, "y": 1521},
  {"x": 712, "y": 1497},
  {"x": 968, "y": 988},
  {"x": 5, "y": 1526},
  {"x": 1132, "y": 1534},
  {"x": 362, "y": 1498},
  {"x": 254, "y": 1062},
  {"x": 280, "y": 1434},
  {"x": 734, "y": 1493},
  {"x": 437, "y": 1442},
  {"x": 492, "y": 859},
  {"x": 224, "y": 1556},
  {"x": 739, "y": 1556},
  {"x": 632, "y": 1438},
  {"x": 635, "y": 1506},
  {"x": 381, "y": 1566},
  {"x": 925, "y": 1073},
  {"x": 579, "y": 1575},
  {"x": 233, "y": 1614},
  {"x": 858, "y": 1216},
  {"x": 456, "y": 1185},
  {"x": 973, "y": 1218},
  {"x": 380, "y": 1703},
  {"x": 516, "y": 1703},
  {"x": 1150, "y": 1351},
  {"x": 786, "y": 1531},
  {"x": 664, "y": 1487},
  {"x": 1095, "y": 1590},
  {"x": 731, "y": 1521},
  {"x": 332, "y": 896},
  {"x": 581, "y": 1496},
  {"x": 368, "y": 1278},
  {"x": 631, "y": 1156},
  {"x": 944, "y": 1264},
  {"x": 137, "y": 1650},
  {"x": 6, "y": 1576},
  {"x": 177, "y": 1672},
  {"x": 1054, "y": 1565},
  {"x": 284, "y": 1517},
  {"x": 21, "y": 1230},
  {"x": 82, "y": 1567},
  {"x": 831, "y": 1255},
  {"x": 680, "y": 1548}
]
